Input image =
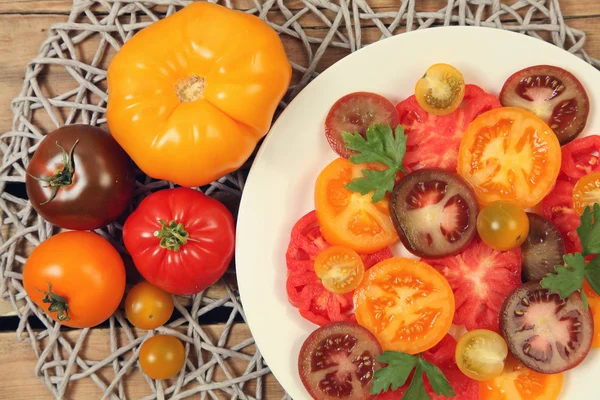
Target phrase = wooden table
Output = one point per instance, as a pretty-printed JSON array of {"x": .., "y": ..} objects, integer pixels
[{"x": 23, "y": 27}]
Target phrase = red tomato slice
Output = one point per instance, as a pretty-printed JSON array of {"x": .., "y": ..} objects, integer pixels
[
  {"x": 433, "y": 141},
  {"x": 558, "y": 208},
  {"x": 482, "y": 279},
  {"x": 442, "y": 355},
  {"x": 304, "y": 288},
  {"x": 355, "y": 112},
  {"x": 581, "y": 157}
]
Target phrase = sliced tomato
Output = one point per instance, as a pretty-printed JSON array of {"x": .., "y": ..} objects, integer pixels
[
  {"x": 406, "y": 303},
  {"x": 433, "y": 141},
  {"x": 481, "y": 278},
  {"x": 580, "y": 157},
  {"x": 304, "y": 288},
  {"x": 355, "y": 112},
  {"x": 518, "y": 382},
  {"x": 594, "y": 302},
  {"x": 509, "y": 154},
  {"x": 442, "y": 355},
  {"x": 340, "y": 269},
  {"x": 349, "y": 218},
  {"x": 558, "y": 208},
  {"x": 338, "y": 361},
  {"x": 441, "y": 90},
  {"x": 586, "y": 192}
]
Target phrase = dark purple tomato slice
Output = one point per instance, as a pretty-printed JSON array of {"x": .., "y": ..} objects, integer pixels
[
  {"x": 554, "y": 94},
  {"x": 338, "y": 360},
  {"x": 543, "y": 249},
  {"x": 434, "y": 212},
  {"x": 544, "y": 332},
  {"x": 355, "y": 112}
]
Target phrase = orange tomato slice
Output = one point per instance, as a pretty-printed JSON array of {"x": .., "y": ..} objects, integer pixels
[
  {"x": 348, "y": 218},
  {"x": 340, "y": 269},
  {"x": 406, "y": 304},
  {"x": 586, "y": 192},
  {"x": 510, "y": 154},
  {"x": 518, "y": 382},
  {"x": 594, "y": 302},
  {"x": 441, "y": 90}
]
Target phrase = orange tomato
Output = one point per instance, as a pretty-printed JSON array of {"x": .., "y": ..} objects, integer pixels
[
  {"x": 509, "y": 154},
  {"x": 586, "y": 192},
  {"x": 594, "y": 302},
  {"x": 348, "y": 218},
  {"x": 77, "y": 278},
  {"x": 192, "y": 94},
  {"x": 340, "y": 269},
  {"x": 406, "y": 304},
  {"x": 162, "y": 356},
  {"x": 518, "y": 382},
  {"x": 148, "y": 306},
  {"x": 441, "y": 90}
]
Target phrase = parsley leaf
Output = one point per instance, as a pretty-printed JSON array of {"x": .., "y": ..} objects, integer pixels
[
  {"x": 398, "y": 369},
  {"x": 395, "y": 374},
  {"x": 438, "y": 381},
  {"x": 380, "y": 145},
  {"x": 592, "y": 274},
  {"x": 589, "y": 230},
  {"x": 568, "y": 278}
]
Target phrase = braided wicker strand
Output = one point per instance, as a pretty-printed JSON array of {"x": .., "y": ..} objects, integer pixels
[{"x": 110, "y": 23}]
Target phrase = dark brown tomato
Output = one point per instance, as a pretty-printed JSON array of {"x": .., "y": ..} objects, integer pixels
[
  {"x": 553, "y": 94},
  {"x": 338, "y": 360},
  {"x": 79, "y": 178},
  {"x": 434, "y": 212},
  {"x": 355, "y": 112},
  {"x": 544, "y": 332},
  {"x": 543, "y": 249}
]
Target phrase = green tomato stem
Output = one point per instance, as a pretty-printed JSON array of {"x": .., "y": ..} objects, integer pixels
[
  {"x": 58, "y": 304},
  {"x": 172, "y": 235}
]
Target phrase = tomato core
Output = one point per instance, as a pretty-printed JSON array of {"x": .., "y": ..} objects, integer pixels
[
  {"x": 190, "y": 89},
  {"x": 172, "y": 235}
]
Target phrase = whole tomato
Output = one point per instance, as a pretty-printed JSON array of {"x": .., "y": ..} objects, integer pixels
[
  {"x": 79, "y": 178},
  {"x": 180, "y": 240},
  {"x": 77, "y": 278}
]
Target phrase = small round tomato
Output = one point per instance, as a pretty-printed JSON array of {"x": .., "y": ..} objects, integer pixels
[
  {"x": 406, "y": 304},
  {"x": 502, "y": 225},
  {"x": 77, "y": 278},
  {"x": 586, "y": 192},
  {"x": 441, "y": 90},
  {"x": 147, "y": 306},
  {"x": 480, "y": 354},
  {"x": 340, "y": 269},
  {"x": 162, "y": 356},
  {"x": 509, "y": 154},
  {"x": 518, "y": 382},
  {"x": 349, "y": 218}
]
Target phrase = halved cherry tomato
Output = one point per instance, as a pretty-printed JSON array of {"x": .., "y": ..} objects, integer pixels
[
  {"x": 349, "y": 218},
  {"x": 480, "y": 354},
  {"x": 340, "y": 269},
  {"x": 406, "y": 303},
  {"x": 594, "y": 302},
  {"x": 518, "y": 382},
  {"x": 509, "y": 154},
  {"x": 581, "y": 157},
  {"x": 441, "y": 90},
  {"x": 586, "y": 192}
]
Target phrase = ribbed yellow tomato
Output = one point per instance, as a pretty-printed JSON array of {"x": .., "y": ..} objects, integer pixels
[{"x": 192, "y": 94}]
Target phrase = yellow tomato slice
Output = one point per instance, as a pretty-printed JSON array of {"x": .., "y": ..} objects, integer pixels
[
  {"x": 586, "y": 192},
  {"x": 441, "y": 90},
  {"x": 480, "y": 354},
  {"x": 518, "y": 382},
  {"x": 340, "y": 269},
  {"x": 406, "y": 304},
  {"x": 348, "y": 218},
  {"x": 509, "y": 154}
]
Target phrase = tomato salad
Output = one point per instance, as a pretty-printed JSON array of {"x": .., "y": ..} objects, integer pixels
[{"x": 496, "y": 199}]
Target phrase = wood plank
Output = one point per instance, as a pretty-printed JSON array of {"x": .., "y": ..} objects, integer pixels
[{"x": 18, "y": 361}]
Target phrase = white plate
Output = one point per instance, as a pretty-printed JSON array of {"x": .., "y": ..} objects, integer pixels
[{"x": 279, "y": 189}]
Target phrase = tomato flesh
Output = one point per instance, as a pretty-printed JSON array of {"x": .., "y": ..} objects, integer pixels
[
  {"x": 338, "y": 361},
  {"x": 441, "y": 90},
  {"x": 355, "y": 112},
  {"x": 586, "y": 192},
  {"x": 509, "y": 154},
  {"x": 558, "y": 208},
  {"x": 406, "y": 303},
  {"x": 480, "y": 354},
  {"x": 581, "y": 157},
  {"x": 502, "y": 225},
  {"x": 340, "y": 269},
  {"x": 594, "y": 302}
]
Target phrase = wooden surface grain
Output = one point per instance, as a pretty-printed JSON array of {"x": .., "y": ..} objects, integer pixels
[{"x": 24, "y": 25}]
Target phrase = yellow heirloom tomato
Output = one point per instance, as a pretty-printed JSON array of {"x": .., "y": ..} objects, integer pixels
[{"x": 191, "y": 95}]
